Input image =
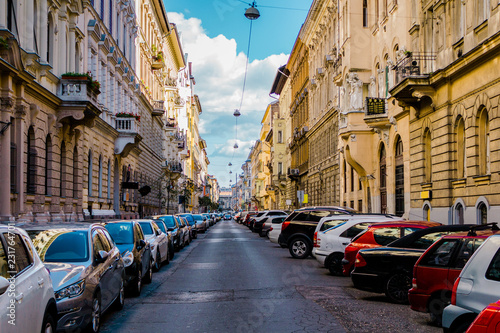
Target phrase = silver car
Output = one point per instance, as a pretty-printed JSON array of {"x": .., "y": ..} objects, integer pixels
[
  {"x": 86, "y": 269},
  {"x": 158, "y": 241}
]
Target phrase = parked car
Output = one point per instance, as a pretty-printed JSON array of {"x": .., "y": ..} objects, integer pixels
[
  {"x": 227, "y": 216},
  {"x": 275, "y": 229},
  {"x": 172, "y": 227},
  {"x": 251, "y": 220},
  {"x": 488, "y": 321},
  {"x": 334, "y": 233},
  {"x": 249, "y": 216},
  {"x": 297, "y": 231},
  {"x": 201, "y": 224},
  {"x": 268, "y": 222},
  {"x": 86, "y": 269},
  {"x": 477, "y": 286},
  {"x": 194, "y": 223},
  {"x": 208, "y": 219},
  {"x": 171, "y": 247},
  {"x": 136, "y": 253},
  {"x": 389, "y": 269},
  {"x": 158, "y": 242},
  {"x": 35, "y": 308},
  {"x": 189, "y": 229},
  {"x": 379, "y": 235},
  {"x": 437, "y": 269},
  {"x": 183, "y": 225}
]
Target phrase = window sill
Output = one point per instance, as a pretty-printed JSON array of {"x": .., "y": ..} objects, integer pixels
[
  {"x": 480, "y": 180},
  {"x": 426, "y": 186},
  {"x": 481, "y": 26},
  {"x": 459, "y": 182}
]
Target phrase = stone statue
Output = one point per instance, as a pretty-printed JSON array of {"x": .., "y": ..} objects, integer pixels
[
  {"x": 356, "y": 93},
  {"x": 372, "y": 90},
  {"x": 342, "y": 98},
  {"x": 390, "y": 64},
  {"x": 381, "y": 83}
]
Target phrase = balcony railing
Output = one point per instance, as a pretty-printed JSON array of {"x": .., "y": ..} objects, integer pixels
[
  {"x": 171, "y": 123},
  {"x": 415, "y": 65},
  {"x": 76, "y": 90},
  {"x": 158, "y": 109},
  {"x": 126, "y": 125}
]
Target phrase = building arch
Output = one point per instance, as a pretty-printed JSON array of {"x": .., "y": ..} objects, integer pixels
[
  {"x": 458, "y": 211},
  {"x": 482, "y": 208},
  {"x": 426, "y": 210}
]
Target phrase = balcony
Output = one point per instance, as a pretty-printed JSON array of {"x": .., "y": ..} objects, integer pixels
[
  {"x": 170, "y": 83},
  {"x": 412, "y": 78},
  {"x": 171, "y": 124},
  {"x": 128, "y": 138},
  {"x": 178, "y": 101},
  {"x": 79, "y": 104},
  {"x": 158, "y": 109}
]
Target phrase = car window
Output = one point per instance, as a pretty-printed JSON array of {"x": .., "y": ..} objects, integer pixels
[
  {"x": 298, "y": 216},
  {"x": 18, "y": 257},
  {"x": 169, "y": 221},
  {"x": 441, "y": 253},
  {"x": 155, "y": 227},
  {"x": 427, "y": 240},
  {"x": 409, "y": 230},
  {"x": 58, "y": 245},
  {"x": 161, "y": 226},
  {"x": 384, "y": 236},
  {"x": 146, "y": 228},
  {"x": 3, "y": 263},
  {"x": 121, "y": 232},
  {"x": 138, "y": 234},
  {"x": 104, "y": 241},
  {"x": 355, "y": 230},
  {"x": 465, "y": 252},
  {"x": 493, "y": 272},
  {"x": 108, "y": 238},
  {"x": 331, "y": 224},
  {"x": 97, "y": 244},
  {"x": 316, "y": 215},
  {"x": 278, "y": 220}
]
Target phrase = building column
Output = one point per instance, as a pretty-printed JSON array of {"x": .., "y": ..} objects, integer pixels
[
  {"x": 5, "y": 140},
  {"x": 20, "y": 136}
]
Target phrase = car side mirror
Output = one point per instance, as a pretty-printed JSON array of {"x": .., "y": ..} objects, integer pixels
[
  {"x": 140, "y": 244},
  {"x": 101, "y": 256},
  {"x": 4, "y": 285}
]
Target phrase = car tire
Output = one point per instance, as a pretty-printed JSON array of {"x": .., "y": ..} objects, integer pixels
[
  {"x": 397, "y": 286},
  {"x": 149, "y": 275},
  {"x": 462, "y": 326},
  {"x": 195, "y": 234},
  {"x": 49, "y": 323},
  {"x": 120, "y": 300},
  {"x": 262, "y": 233},
  {"x": 171, "y": 252},
  {"x": 300, "y": 248},
  {"x": 95, "y": 316},
  {"x": 436, "y": 306},
  {"x": 334, "y": 264},
  {"x": 157, "y": 265}
]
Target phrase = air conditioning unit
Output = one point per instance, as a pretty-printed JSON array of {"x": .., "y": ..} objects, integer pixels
[
  {"x": 320, "y": 71},
  {"x": 313, "y": 82},
  {"x": 294, "y": 172},
  {"x": 328, "y": 59}
]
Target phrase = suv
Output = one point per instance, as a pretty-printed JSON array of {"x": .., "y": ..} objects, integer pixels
[
  {"x": 477, "y": 286},
  {"x": 437, "y": 269},
  {"x": 259, "y": 220},
  {"x": 297, "y": 231},
  {"x": 334, "y": 233}
]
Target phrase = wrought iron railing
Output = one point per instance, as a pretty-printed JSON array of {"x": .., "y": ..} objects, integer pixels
[{"x": 415, "y": 65}]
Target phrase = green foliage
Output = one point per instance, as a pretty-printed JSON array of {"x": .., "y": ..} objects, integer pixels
[{"x": 4, "y": 44}]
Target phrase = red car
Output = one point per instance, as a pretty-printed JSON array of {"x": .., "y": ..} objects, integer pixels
[
  {"x": 377, "y": 235},
  {"x": 437, "y": 269},
  {"x": 488, "y": 321}
]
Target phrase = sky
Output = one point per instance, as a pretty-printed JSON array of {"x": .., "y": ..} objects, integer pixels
[{"x": 215, "y": 36}]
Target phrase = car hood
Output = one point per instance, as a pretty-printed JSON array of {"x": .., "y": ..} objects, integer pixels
[
  {"x": 65, "y": 274},
  {"x": 125, "y": 247}
]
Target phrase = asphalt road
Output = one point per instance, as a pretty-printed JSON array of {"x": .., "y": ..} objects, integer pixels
[{"x": 232, "y": 280}]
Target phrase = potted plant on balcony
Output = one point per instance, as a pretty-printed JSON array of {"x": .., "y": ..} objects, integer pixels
[
  {"x": 76, "y": 76},
  {"x": 128, "y": 115},
  {"x": 158, "y": 62}
]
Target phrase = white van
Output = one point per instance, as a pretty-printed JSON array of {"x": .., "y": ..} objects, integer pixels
[
  {"x": 477, "y": 286},
  {"x": 334, "y": 233}
]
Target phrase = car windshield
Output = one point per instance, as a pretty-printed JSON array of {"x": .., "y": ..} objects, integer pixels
[
  {"x": 260, "y": 214},
  {"x": 121, "y": 232},
  {"x": 169, "y": 221},
  {"x": 188, "y": 217},
  {"x": 198, "y": 217},
  {"x": 60, "y": 245},
  {"x": 331, "y": 224},
  {"x": 146, "y": 228}
]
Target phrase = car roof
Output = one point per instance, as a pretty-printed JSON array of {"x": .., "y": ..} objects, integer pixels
[
  {"x": 56, "y": 225},
  {"x": 326, "y": 208}
]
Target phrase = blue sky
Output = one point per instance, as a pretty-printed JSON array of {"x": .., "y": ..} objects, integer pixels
[{"x": 215, "y": 36}]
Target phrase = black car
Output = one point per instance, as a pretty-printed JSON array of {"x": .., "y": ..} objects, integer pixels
[
  {"x": 297, "y": 231},
  {"x": 136, "y": 252},
  {"x": 172, "y": 227},
  {"x": 389, "y": 269},
  {"x": 163, "y": 227}
]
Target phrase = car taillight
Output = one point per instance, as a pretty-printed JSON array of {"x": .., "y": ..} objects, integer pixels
[
  {"x": 315, "y": 240},
  {"x": 360, "y": 261},
  {"x": 414, "y": 283},
  {"x": 454, "y": 292},
  {"x": 486, "y": 315},
  {"x": 284, "y": 225},
  {"x": 271, "y": 229}
]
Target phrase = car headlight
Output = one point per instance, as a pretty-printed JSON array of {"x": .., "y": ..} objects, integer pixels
[
  {"x": 76, "y": 289},
  {"x": 128, "y": 259}
]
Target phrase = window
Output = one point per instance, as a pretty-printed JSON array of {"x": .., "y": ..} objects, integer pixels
[
  {"x": 280, "y": 168},
  {"x": 331, "y": 224},
  {"x": 384, "y": 236},
  {"x": 484, "y": 142},
  {"x": 460, "y": 149},
  {"x": 31, "y": 162},
  {"x": 280, "y": 137},
  {"x": 11, "y": 16},
  {"x": 22, "y": 258},
  {"x": 482, "y": 213},
  {"x": 493, "y": 272},
  {"x": 102, "y": 10},
  {"x": 89, "y": 180},
  {"x": 426, "y": 240},
  {"x": 427, "y": 213},
  {"x": 360, "y": 205},
  {"x": 399, "y": 177},
  {"x": 97, "y": 244},
  {"x": 355, "y": 230},
  {"x": 383, "y": 188},
  {"x": 109, "y": 179},
  {"x": 427, "y": 156},
  {"x": 345, "y": 178},
  {"x": 100, "y": 177},
  {"x": 352, "y": 180},
  {"x": 482, "y": 10},
  {"x": 62, "y": 171},
  {"x": 469, "y": 246},
  {"x": 75, "y": 172},
  {"x": 365, "y": 13},
  {"x": 459, "y": 214},
  {"x": 13, "y": 158},
  {"x": 48, "y": 164},
  {"x": 441, "y": 253}
]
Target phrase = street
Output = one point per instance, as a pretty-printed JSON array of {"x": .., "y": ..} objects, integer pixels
[{"x": 232, "y": 280}]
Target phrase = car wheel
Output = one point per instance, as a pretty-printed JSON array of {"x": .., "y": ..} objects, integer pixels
[
  {"x": 462, "y": 326},
  {"x": 397, "y": 286},
  {"x": 171, "y": 251},
  {"x": 120, "y": 299},
  {"x": 300, "y": 248},
  {"x": 436, "y": 306},
  {"x": 49, "y": 324},
  {"x": 95, "y": 316},
  {"x": 157, "y": 264},
  {"x": 149, "y": 275},
  {"x": 334, "y": 265},
  {"x": 195, "y": 234},
  {"x": 167, "y": 258}
]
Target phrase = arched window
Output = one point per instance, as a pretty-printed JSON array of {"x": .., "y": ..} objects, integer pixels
[
  {"x": 48, "y": 165},
  {"x": 109, "y": 179},
  {"x": 399, "y": 178},
  {"x": 427, "y": 156},
  {"x": 484, "y": 142},
  {"x": 383, "y": 181},
  {"x": 62, "y": 173},
  {"x": 482, "y": 213},
  {"x": 75, "y": 172},
  {"x": 459, "y": 214},
  {"x": 427, "y": 213},
  {"x": 460, "y": 149},
  {"x": 31, "y": 162},
  {"x": 50, "y": 40},
  {"x": 345, "y": 177},
  {"x": 100, "y": 177},
  {"x": 89, "y": 180}
]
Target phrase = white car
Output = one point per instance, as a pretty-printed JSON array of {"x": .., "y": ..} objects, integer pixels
[
  {"x": 334, "y": 233},
  {"x": 27, "y": 301},
  {"x": 477, "y": 286},
  {"x": 158, "y": 241},
  {"x": 272, "y": 222},
  {"x": 275, "y": 231}
]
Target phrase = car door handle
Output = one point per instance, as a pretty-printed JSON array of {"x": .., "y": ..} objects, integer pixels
[
  {"x": 345, "y": 243},
  {"x": 41, "y": 282},
  {"x": 19, "y": 297}
]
